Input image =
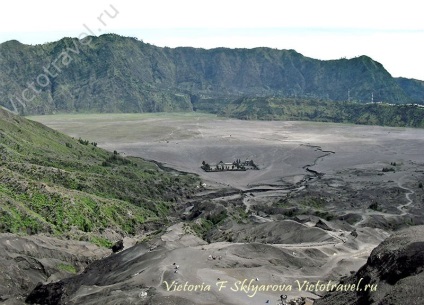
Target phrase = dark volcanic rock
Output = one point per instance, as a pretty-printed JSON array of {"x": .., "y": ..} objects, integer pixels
[
  {"x": 302, "y": 218},
  {"x": 351, "y": 218},
  {"x": 354, "y": 233},
  {"x": 118, "y": 246},
  {"x": 28, "y": 260},
  {"x": 323, "y": 225},
  {"x": 112, "y": 271},
  {"x": 46, "y": 294},
  {"x": 394, "y": 268}
]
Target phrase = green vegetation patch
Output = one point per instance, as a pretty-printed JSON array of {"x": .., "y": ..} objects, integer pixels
[
  {"x": 52, "y": 183},
  {"x": 66, "y": 268},
  {"x": 310, "y": 109},
  {"x": 101, "y": 241}
]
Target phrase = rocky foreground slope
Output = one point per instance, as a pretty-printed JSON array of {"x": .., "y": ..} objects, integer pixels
[
  {"x": 395, "y": 268},
  {"x": 393, "y": 273},
  {"x": 27, "y": 260}
]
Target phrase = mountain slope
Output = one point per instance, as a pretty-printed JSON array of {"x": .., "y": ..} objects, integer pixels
[
  {"x": 395, "y": 267},
  {"x": 117, "y": 74},
  {"x": 413, "y": 88},
  {"x": 275, "y": 108},
  {"x": 55, "y": 184}
]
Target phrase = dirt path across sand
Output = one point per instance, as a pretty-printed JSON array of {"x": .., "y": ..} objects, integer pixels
[{"x": 402, "y": 207}]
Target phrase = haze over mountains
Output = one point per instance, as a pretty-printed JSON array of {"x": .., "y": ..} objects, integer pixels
[{"x": 111, "y": 73}]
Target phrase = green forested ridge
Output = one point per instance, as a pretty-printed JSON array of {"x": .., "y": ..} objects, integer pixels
[
  {"x": 111, "y": 73},
  {"x": 272, "y": 108},
  {"x": 52, "y": 183},
  {"x": 413, "y": 88}
]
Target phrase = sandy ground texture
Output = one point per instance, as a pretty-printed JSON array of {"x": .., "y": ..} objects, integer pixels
[
  {"x": 349, "y": 159},
  {"x": 324, "y": 197},
  {"x": 27, "y": 260},
  {"x": 224, "y": 273},
  {"x": 280, "y": 149}
]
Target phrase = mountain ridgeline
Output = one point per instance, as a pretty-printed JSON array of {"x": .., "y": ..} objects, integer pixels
[{"x": 111, "y": 73}]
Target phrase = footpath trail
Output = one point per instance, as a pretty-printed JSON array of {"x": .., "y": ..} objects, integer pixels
[{"x": 402, "y": 207}]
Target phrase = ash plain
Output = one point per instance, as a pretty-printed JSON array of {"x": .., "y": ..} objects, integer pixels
[{"x": 325, "y": 195}]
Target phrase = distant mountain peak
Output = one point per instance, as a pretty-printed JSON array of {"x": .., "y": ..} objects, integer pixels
[{"x": 112, "y": 73}]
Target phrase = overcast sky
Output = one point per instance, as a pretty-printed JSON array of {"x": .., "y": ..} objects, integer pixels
[{"x": 391, "y": 32}]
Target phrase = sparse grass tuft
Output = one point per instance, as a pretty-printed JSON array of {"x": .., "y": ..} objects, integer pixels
[
  {"x": 67, "y": 268},
  {"x": 101, "y": 242}
]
